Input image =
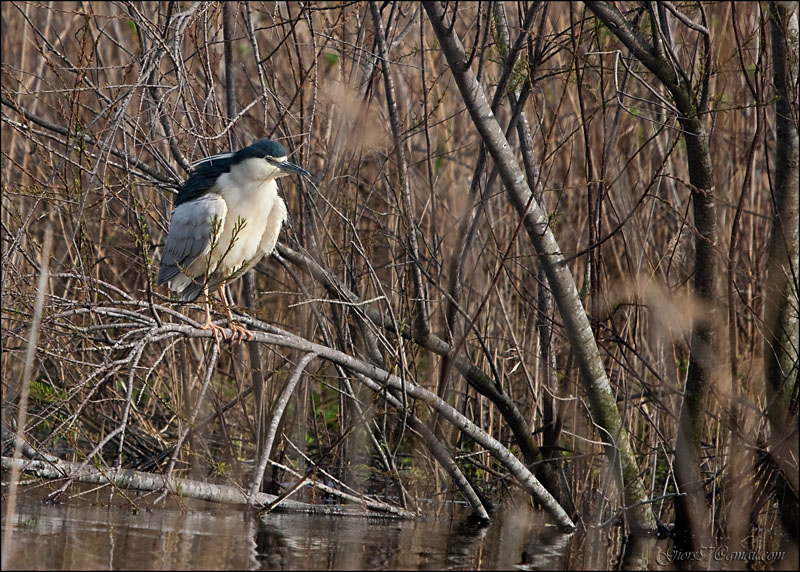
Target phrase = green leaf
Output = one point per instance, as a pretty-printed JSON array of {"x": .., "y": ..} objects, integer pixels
[
  {"x": 437, "y": 164},
  {"x": 331, "y": 58}
]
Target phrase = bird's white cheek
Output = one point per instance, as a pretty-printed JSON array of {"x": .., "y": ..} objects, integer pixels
[{"x": 250, "y": 171}]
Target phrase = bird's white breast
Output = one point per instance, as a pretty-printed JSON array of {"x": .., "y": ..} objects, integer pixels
[{"x": 251, "y": 194}]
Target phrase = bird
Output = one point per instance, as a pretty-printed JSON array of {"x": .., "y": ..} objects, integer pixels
[{"x": 225, "y": 218}]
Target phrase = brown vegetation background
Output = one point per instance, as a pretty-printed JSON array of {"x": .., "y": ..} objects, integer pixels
[{"x": 104, "y": 105}]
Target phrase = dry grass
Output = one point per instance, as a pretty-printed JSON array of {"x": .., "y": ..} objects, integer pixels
[{"x": 88, "y": 91}]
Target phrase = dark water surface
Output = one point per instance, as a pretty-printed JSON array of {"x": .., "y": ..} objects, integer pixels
[{"x": 83, "y": 533}]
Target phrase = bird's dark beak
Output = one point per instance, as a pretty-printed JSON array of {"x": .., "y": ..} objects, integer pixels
[{"x": 292, "y": 168}]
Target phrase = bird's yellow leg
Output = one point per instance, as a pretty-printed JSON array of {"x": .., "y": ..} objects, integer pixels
[
  {"x": 237, "y": 332},
  {"x": 216, "y": 331}
]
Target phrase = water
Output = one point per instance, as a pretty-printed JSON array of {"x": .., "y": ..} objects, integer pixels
[{"x": 84, "y": 533}]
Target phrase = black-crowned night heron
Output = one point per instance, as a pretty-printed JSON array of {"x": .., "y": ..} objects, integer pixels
[{"x": 227, "y": 216}]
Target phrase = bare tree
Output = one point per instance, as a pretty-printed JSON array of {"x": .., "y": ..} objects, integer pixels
[
  {"x": 565, "y": 293},
  {"x": 782, "y": 339},
  {"x": 691, "y": 107}
]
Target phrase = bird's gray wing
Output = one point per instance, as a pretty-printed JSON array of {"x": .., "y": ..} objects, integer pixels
[{"x": 194, "y": 226}]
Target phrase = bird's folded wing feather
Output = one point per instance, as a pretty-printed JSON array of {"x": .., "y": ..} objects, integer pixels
[{"x": 191, "y": 233}]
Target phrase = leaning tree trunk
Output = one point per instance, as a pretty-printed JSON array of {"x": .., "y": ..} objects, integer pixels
[{"x": 565, "y": 293}]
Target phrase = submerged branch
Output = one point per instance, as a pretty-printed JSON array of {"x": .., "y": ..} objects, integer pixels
[{"x": 187, "y": 488}]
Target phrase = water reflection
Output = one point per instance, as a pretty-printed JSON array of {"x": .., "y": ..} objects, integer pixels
[{"x": 85, "y": 534}]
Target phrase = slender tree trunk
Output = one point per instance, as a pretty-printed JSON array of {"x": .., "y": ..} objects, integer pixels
[
  {"x": 691, "y": 508},
  {"x": 781, "y": 308}
]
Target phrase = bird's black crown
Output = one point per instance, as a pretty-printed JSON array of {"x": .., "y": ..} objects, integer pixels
[{"x": 261, "y": 149}]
